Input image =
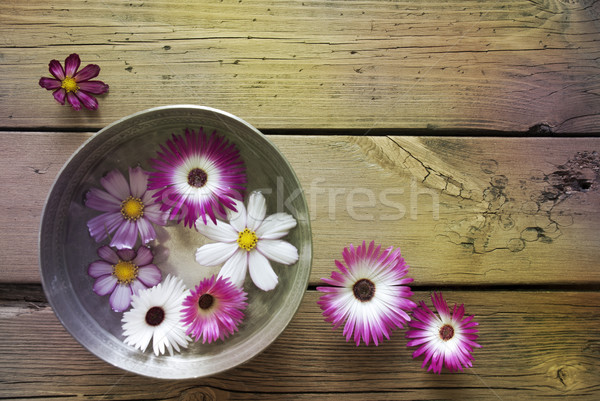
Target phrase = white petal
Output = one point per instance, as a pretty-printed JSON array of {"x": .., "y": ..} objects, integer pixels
[
  {"x": 276, "y": 226},
  {"x": 278, "y": 251},
  {"x": 221, "y": 231},
  {"x": 257, "y": 209},
  {"x": 237, "y": 219},
  {"x": 235, "y": 268},
  {"x": 261, "y": 272},
  {"x": 215, "y": 254}
]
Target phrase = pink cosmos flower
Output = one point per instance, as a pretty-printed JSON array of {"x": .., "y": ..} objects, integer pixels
[
  {"x": 213, "y": 309},
  {"x": 128, "y": 209},
  {"x": 122, "y": 274},
  {"x": 197, "y": 176},
  {"x": 369, "y": 293},
  {"x": 444, "y": 338},
  {"x": 72, "y": 85}
]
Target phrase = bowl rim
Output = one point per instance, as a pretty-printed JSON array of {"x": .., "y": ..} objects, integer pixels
[{"x": 46, "y": 215}]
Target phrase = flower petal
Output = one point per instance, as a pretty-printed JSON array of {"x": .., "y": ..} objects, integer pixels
[
  {"x": 146, "y": 230},
  {"x": 149, "y": 275},
  {"x": 100, "y": 268},
  {"x": 120, "y": 299},
  {"x": 257, "y": 210},
  {"x": 276, "y": 226},
  {"x": 235, "y": 268},
  {"x": 126, "y": 254},
  {"x": 144, "y": 256},
  {"x": 116, "y": 184},
  {"x": 56, "y": 69},
  {"x": 88, "y": 72},
  {"x": 60, "y": 95},
  {"x": 73, "y": 101},
  {"x": 88, "y": 101},
  {"x": 93, "y": 87},
  {"x": 136, "y": 285},
  {"x": 261, "y": 272},
  {"x": 215, "y": 254},
  {"x": 98, "y": 199},
  {"x": 126, "y": 235},
  {"x": 138, "y": 181},
  {"x": 237, "y": 219},
  {"x": 50, "y": 83},
  {"x": 106, "y": 253},
  {"x": 221, "y": 231},
  {"x": 278, "y": 251},
  {"x": 106, "y": 223},
  {"x": 72, "y": 63},
  {"x": 105, "y": 284}
]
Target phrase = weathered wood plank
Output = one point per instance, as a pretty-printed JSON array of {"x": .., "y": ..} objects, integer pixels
[
  {"x": 506, "y": 66},
  {"x": 464, "y": 210},
  {"x": 535, "y": 345}
]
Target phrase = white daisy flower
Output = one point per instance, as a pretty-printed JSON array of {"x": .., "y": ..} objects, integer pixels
[
  {"x": 156, "y": 315},
  {"x": 248, "y": 242}
]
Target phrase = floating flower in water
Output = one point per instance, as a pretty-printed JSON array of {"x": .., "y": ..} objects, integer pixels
[
  {"x": 248, "y": 242},
  {"x": 72, "y": 85},
  {"x": 156, "y": 315},
  {"x": 129, "y": 209},
  {"x": 214, "y": 309},
  {"x": 444, "y": 338},
  {"x": 122, "y": 274},
  {"x": 197, "y": 176},
  {"x": 369, "y": 293}
]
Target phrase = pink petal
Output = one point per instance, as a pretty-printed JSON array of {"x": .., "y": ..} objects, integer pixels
[
  {"x": 88, "y": 101},
  {"x": 136, "y": 285},
  {"x": 88, "y": 72},
  {"x": 99, "y": 268},
  {"x": 150, "y": 275},
  {"x": 94, "y": 87},
  {"x": 106, "y": 253},
  {"x": 155, "y": 215},
  {"x": 126, "y": 254},
  {"x": 261, "y": 272},
  {"x": 98, "y": 199},
  {"x": 116, "y": 184},
  {"x": 72, "y": 64},
  {"x": 60, "y": 95},
  {"x": 146, "y": 230},
  {"x": 144, "y": 256},
  {"x": 126, "y": 235},
  {"x": 56, "y": 69},
  {"x": 120, "y": 299},
  {"x": 101, "y": 226},
  {"x": 105, "y": 284},
  {"x": 138, "y": 181},
  {"x": 73, "y": 101},
  {"x": 50, "y": 83}
]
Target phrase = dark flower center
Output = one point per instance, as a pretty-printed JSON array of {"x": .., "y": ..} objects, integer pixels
[
  {"x": 446, "y": 332},
  {"x": 205, "y": 301},
  {"x": 197, "y": 178},
  {"x": 364, "y": 290},
  {"x": 155, "y": 316}
]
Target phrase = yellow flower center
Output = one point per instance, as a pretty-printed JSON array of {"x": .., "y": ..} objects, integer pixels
[
  {"x": 247, "y": 239},
  {"x": 132, "y": 208},
  {"x": 69, "y": 84},
  {"x": 125, "y": 272}
]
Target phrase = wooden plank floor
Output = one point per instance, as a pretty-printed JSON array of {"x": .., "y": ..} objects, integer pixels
[{"x": 467, "y": 133}]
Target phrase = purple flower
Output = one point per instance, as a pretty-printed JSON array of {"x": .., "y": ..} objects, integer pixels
[
  {"x": 122, "y": 274},
  {"x": 129, "y": 209},
  {"x": 446, "y": 338},
  {"x": 197, "y": 176},
  {"x": 369, "y": 293},
  {"x": 74, "y": 85},
  {"x": 213, "y": 309}
]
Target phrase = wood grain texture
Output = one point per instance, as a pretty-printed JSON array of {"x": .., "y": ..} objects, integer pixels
[
  {"x": 535, "y": 345},
  {"x": 463, "y": 210},
  {"x": 514, "y": 65}
]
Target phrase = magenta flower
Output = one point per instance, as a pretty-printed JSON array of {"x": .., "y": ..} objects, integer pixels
[
  {"x": 122, "y": 274},
  {"x": 129, "y": 209},
  {"x": 73, "y": 85},
  {"x": 213, "y": 309},
  {"x": 369, "y": 293},
  {"x": 444, "y": 338},
  {"x": 197, "y": 176}
]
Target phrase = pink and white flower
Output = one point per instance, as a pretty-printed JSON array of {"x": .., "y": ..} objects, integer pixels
[
  {"x": 445, "y": 338},
  {"x": 128, "y": 209},
  {"x": 197, "y": 176},
  {"x": 72, "y": 85},
  {"x": 214, "y": 309},
  {"x": 248, "y": 242},
  {"x": 122, "y": 274},
  {"x": 368, "y": 293}
]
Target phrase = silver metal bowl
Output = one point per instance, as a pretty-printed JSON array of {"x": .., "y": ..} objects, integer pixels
[{"x": 66, "y": 249}]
